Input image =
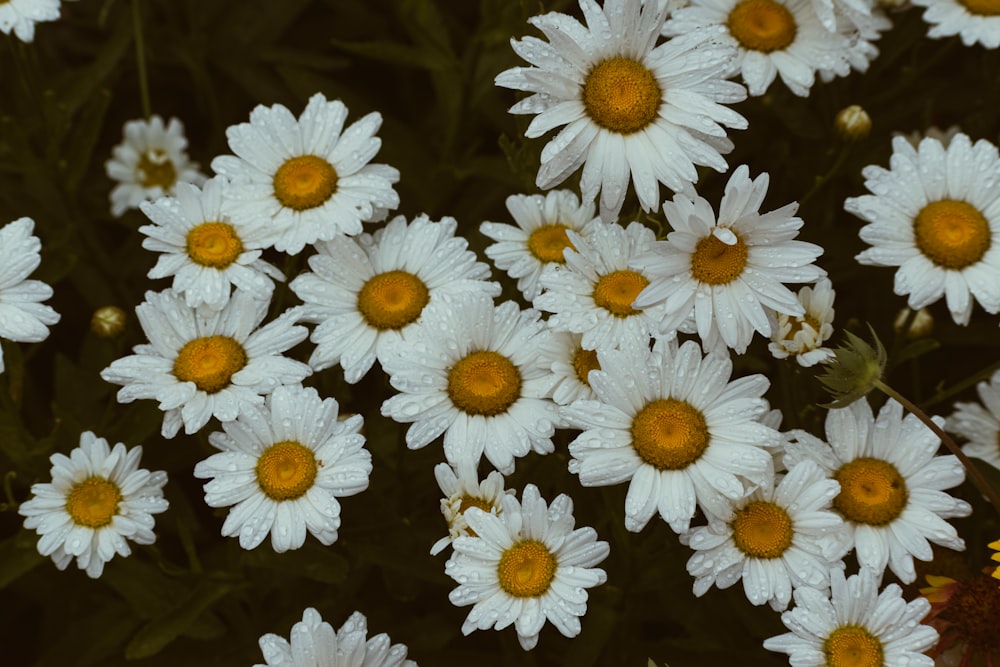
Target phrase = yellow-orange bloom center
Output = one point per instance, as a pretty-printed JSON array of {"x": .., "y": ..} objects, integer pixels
[
  {"x": 547, "y": 243},
  {"x": 93, "y": 502},
  {"x": 286, "y": 470},
  {"x": 473, "y": 501},
  {"x": 484, "y": 383},
  {"x": 621, "y": 95},
  {"x": 585, "y": 361},
  {"x": 852, "y": 646},
  {"x": 304, "y": 182},
  {"x": 762, "y": 530},
  {"x": 616, "y": 291},
  {"x": 526, "y": 569},
  {"x": 392, "y": 300},
  {"x": 669, "y": 434},
  {"x": 209, "y": 362},
  {"x": 716, "y": 263},
  {"x": 214, "y": 244},
  {"x": 953, "y": 234},
  {"x": 156, "y": 170},
  {"x": 871, "y": 491},
  {"x": 762, "y": 25},
  {"x": 982, "y": 7}
]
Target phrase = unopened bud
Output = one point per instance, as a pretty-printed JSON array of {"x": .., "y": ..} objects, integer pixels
[
  {"x": 921, "y": 322},
  {"x": 853, "y": 123},
  {"x": 108, "y": 321}
]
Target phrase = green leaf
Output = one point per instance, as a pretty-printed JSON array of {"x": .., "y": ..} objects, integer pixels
[
  {"x": 395, "y": 53},
  {"x": 18, "y": 556}
]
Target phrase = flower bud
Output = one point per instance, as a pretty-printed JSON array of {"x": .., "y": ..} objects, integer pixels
[
  {"x": 108, "y": 321},
  {"x": 853, "y": 123}
]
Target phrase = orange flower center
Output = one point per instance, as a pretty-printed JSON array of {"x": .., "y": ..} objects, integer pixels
[
  {"x": 585, "y": 361},
  {"x": 762, "y": 25},
  {"x": 156, "y": 170},
  {"x": 286, "y": 470},
  {"x": 669, "y": 434},
  {"x": 304, "y": 182},
  {"x": 547, "y": 243},
  {"x": 209, "y": 362},
  {"x": 93, "y": 502},
  {"x": 484, "y": 383},
  {"x": 953, "y": 234},
  {"x": 213, "y": 244},
  {"x": 871, "y": 491},
  {"x": 852, "y": 646},
  {"x": 982, "y": 7},
  {"x": 716, "y": 263},
  {"x": 616, "y": 291},
  {"x": 392, "y": 300},
  {"x": 762, "y": 530},
  {"x": 526, "y": 569},
  {"x": 621, "y": 95}
]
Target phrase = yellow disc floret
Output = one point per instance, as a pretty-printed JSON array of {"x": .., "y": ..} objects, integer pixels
[
  {"x": 871, "y": 491},
  {"x": 472, "y": 501},
  {"x": 953, "y": 234},
  {"x": 156, "y": 170},
  {"x": 392, "y": 300},
  {"x": 669, "y": 434},
  {"x": 762, "y": 25},
  {"x": 982, "y": 7},
  {"x": 526, "y": 569},
  {"x": 852, "y": 646},
  {"x": 209, "y": 362},
  {"x": 546, "y": 243},
  {"x": 93, "y": 502},
  {"x": 762, "y": 530},
  {"x": 305, "y": 182},
  {"x": 621, "y": 95},
  {"x": 286, "y": 470},
  {"x": 484, "y": 383},
  {"x": 214, "y": 244},
  {"x": 716, "y": 263},
  {"x": 616, "y": 291},
  {"x": 585, "y": 361}
]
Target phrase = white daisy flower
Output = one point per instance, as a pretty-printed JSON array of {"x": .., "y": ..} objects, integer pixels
[
  {"x": 831, "y": 13},
  {"x": 20, "y": 16},
  {"x": 670, "y": 423},
  {"x": 23, "y": 316},
  {"x": 779, "y": 537},
  {"x": 593, "y": 292},
  {"x": 727, "y": 271},
  {"x": 772, "y": 38},
  {"x": 980, "y": 423},
  {"x": 975, "y": 21},
  {"x": 307, "y": 179},
  {"x": 473, "y": 371},
  {"x": 855, "y": 626},
  {"x": 149, "y": 163},
  {"x": 202, "y": 364},
  {"x": 891, "y": 484},
  {"x": 539, "y": 237},
  {"x": 282, "y": 467},
  {"x": 314, "y": 642},
  {"x": 935, "y": 214},
  {"x": 98, "y": 498},
  {"x": 527, "y": 565},
  {"x": 803, "y": 336},
  {"x": 632, "y": 110},
  {"x": 367, "y": 293},
  {"x": 205, "y": 252},
  {"x": 571, "y": 364},
  {"x": 462, "y": 490}
]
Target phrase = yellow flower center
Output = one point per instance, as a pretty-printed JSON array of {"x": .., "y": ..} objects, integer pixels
[
  {"x": 484, "y": 383},
  {"x": 669, "y": 434},
  {"x": 93, "y": 502},
  {"x": 762, "y": 25},
  {"x": 209, "y": 362},
  {"x": 953, "y": 234},
  {"x": 982, "y": 7},
  {"x": 585, "y": 361},
  {"x": 472, "y": 501},
  {"x": 214, "y": 244},
  {"x": 716, "y": 263},
  {"x": 547, "y": 243},
  {"x": 762, "y": 530},
  {"x": 798, "y": 324},
  {"x": 621, "y": 95},
  {"x": 852, "y": 646},
  {"x": 526, "y": 570},
  {"x": 392, "y": 300},
  {"x": 156, "y": 169},
  {"x": 871, "y": 491},
  {"x": 616, "y": 291},
  {"x": 304, "y": 182},
  {"x": 286, "y": 470}
]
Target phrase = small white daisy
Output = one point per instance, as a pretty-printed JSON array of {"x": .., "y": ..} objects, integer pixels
[
  {"x": 976, "y": 21},
  {"x": 632, "y": 109},
  {"x": 23, "y": 316},
  {"x": 892, "y": 484},
  {"x": 98, "y": 498},
  {"x": 462, "y": 490},
  {"x": 593, "y": 292},
  {"x": 473, "y": 371},
  {"x": 527, "y": 565},
  {"x": 671, "y": 423},
  {"x": 205, "y": 252},
  {"x": 779, "y": 537},
  {"x": 855, "y": 626},
  {"x": 980, "y": 423},
  {"x": 306, "y": 179},
  {"x": 802, "y": 337},
  {"x": 936, "y": 214},
  {"x": 204, "y": 364},
  {"x": 539, "y": 237},
  {"x": 367, "y": 292},
  {"x": 282, "y": 467},
  {"x": 571, "y": 364},
  {"x": 20, "y": 16},
  {"x": 315, "y": 643},
  {"x": 149, "y": 163},
  {"x": 726, "y": 271}
]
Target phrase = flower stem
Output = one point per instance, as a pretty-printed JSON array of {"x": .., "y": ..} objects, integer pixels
[
  {"x": 974, "y": 474},
  {"x": 140, "y": 60}
]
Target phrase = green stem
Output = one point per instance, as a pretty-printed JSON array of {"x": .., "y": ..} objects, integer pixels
[
  {"x": 945, "y": 394},
  {"x": 140, "y": 60},
  {"x": 825, "y": 178},
  {"x": 973, "y": 472}
]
